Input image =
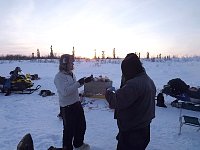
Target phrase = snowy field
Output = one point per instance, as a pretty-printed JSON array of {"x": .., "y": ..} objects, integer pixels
[{"x": 21, "y": 114}]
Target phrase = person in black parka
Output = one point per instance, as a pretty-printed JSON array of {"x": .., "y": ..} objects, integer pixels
[{"x": 134, "y": 105}]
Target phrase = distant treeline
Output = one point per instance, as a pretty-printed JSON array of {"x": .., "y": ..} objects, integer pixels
[{"x": 23, "y": 57}]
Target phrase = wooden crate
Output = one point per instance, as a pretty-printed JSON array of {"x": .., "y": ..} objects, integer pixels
[{"x": 96, "y": 88}]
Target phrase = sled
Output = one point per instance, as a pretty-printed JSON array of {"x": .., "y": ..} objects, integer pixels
[
  {"x": 186, "y": 98},
  {"x": 28, "y": 90},
  {"x": 181, "y": 91}
]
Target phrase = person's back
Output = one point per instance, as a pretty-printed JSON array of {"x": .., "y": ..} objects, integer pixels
[
  {"x": 138, "y": 92},
  {"x": 15, "y": 73},
  {"x": 8, "y": 82},
  {"x": 134, "y": 105}
]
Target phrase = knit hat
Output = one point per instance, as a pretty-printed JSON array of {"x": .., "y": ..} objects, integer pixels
[
  {"x": 131, "y": 66},
  {"x": 18, "y": 69}
]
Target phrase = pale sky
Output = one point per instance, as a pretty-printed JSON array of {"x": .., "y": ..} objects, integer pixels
[{"x": 169, "y": 27}]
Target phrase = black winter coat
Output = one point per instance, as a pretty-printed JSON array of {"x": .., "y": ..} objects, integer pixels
[{"x": 134, "y": 103}]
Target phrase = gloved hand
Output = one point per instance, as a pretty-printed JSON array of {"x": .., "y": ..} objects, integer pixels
[
  {"x": 109, "y": 98},
  {"x": 89, "y": 79},
  {"x": 81, "y": 81},
  {"x": 107, "y": 95}
]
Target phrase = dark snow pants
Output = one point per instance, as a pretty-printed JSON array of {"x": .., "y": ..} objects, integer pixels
[
  {"x": 74, "y": 125},
  {"x": 134, "y": 139}
]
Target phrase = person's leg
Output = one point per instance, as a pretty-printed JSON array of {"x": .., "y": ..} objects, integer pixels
[
  {"x": 140, "y": 138},
  {"x": 80, "y": 127},
  {"x": 68, "y": 128},
  {"x": 134, "y": 140},
  {"x": 7, "y": 87},
  {"x": 122, "y": 137}
]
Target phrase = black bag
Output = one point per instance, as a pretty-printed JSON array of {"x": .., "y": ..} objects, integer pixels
[
  {"x": 45, "y": 93},
  {"x": 34, "y": 77},
  {"x": 160, "y": 100}
]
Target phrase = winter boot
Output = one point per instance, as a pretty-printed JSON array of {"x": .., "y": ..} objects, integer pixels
[
  {"x": 54, "y": 148},
  {"x": 83, "y": 147},
  {"x": 8, "y": 92}
]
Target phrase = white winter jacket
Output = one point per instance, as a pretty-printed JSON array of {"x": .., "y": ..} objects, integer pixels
[{"x": 67, "y": 88}]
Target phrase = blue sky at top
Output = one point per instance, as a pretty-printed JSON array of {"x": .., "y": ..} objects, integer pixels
[{"x": 155, "y": 26}]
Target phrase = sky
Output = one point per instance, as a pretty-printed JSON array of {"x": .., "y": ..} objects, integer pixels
[
  {"x": 168, "y": 27},
  {"x": 31, "y": 113}
]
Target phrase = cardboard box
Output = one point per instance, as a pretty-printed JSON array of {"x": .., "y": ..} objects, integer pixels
[{"x": 96, "y": 88}]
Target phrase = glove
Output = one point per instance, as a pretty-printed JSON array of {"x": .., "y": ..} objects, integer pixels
[
  {"x": 107, "y": 94},
  {"x": 111, "y": 89},
  {"x": 108, "y": 98},
  {"x": 81, "y": 81},
  {"x": 89, "y": 79}
]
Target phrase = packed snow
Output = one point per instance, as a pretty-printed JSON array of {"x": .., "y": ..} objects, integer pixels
[{"x": 21, "y": 114}]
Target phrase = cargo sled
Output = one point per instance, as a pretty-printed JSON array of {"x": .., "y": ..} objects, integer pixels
[
  {"x": 178, "y": 89},
  {"x": 186, "y": 97}
]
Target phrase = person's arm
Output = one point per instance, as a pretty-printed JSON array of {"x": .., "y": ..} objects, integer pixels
[
  {"x": 122, "y": 98},
  {"x": 126, "y": 96},
  {"x": 122, "y": 81}
]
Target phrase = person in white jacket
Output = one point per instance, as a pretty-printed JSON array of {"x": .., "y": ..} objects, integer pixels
[{"x": 72, "y": 111}]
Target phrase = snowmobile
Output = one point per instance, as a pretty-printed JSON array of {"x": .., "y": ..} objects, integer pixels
[{"x": 20, "y": 85}]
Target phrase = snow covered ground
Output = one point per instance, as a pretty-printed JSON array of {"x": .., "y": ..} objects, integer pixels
[{"x": 21, "y": 114}]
